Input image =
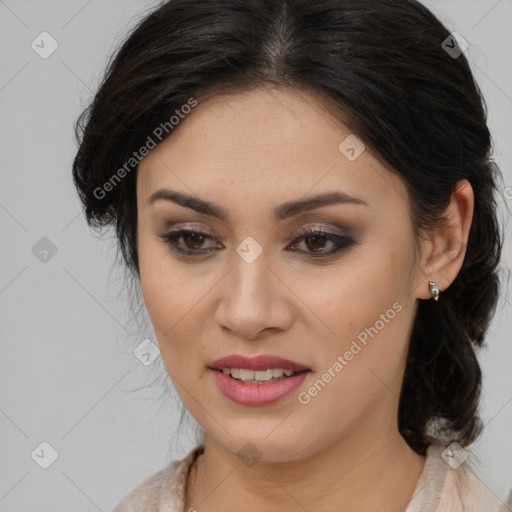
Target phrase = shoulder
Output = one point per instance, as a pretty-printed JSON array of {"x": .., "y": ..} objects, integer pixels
[
  {"x": 164, "y": 490},
  {"x": 450, "y": 484},
  {"x": 146, "y": 496},
  {"x": 464, "y": 488}
]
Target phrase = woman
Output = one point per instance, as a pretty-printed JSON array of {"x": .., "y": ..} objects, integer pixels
[{"x": 305, "y": 192}]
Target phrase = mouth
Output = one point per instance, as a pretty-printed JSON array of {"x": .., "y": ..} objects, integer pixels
[
  {"x": 259, "y": 362},
  {"x": 258, "y": 376},
  {"x": 257, "y": 381}
]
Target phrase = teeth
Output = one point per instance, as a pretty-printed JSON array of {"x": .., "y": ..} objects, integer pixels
[{"x": 257, "y": 375}]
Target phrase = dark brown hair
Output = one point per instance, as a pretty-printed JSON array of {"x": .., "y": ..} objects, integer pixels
[{"x": 386, "y": 65}]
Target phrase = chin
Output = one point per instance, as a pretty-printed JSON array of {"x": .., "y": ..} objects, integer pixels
[{"x": 251, "y": 446}]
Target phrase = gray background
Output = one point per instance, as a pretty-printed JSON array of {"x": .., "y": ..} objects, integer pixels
[{"x": 67, "y": 372}]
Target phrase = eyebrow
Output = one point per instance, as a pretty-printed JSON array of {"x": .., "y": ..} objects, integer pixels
[{"x": 281, "y": 212}]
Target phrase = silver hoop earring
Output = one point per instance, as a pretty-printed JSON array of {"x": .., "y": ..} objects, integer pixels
[{"x": 434, "y": 290}]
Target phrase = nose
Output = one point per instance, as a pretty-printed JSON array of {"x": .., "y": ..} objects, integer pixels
[{"x": 255, "y": 300}]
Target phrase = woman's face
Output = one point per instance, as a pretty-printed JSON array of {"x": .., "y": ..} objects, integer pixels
[{"x": 252, "y": 283}]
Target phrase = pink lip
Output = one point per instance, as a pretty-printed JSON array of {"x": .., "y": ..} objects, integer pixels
[
  {"x": 257, "y": 394},
  {"x": 259, "y": 362}
]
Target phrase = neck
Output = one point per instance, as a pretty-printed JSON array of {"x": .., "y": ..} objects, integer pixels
[{"x": 349, "y": 475}]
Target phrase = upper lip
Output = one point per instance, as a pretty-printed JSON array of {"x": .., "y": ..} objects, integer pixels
[{"x": 259, "y": 362}]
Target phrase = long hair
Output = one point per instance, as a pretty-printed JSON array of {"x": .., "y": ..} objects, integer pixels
[{"x": 390, "y": 67}]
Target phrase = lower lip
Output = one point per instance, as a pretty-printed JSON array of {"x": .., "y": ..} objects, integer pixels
[{"x": 258, "y": 394}]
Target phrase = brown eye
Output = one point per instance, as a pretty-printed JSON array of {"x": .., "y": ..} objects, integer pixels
[
  {"x": 316, "y": 240},
  {"x": 315, "y": 243},
  {"x": 193, "y": 241}
]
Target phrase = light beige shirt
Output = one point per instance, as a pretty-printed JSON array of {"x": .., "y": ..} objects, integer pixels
[{"x": 440, "y": 488}]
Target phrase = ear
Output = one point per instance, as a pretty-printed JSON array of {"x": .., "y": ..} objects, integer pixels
[{"x": 444, "y": 248}]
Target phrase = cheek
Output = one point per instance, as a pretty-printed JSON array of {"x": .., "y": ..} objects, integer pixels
[
  {"x": 365, "y": 311},
  {"x": 163, "y": 289},
  {"x": 370, "y": 313},
  {"x": 163, "y": 286},
  {"x": 353, "y": 295},
  {"x": 175, "y": 298},
  {"x": 169, "y": 303},
  {"x": 169, "y": 310}
]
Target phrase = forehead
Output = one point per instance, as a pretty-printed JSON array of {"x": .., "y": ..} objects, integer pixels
[{"x": 259, "y": 146}]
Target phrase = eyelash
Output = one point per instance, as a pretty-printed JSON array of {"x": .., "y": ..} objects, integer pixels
[{"x": 342, "y": 241}]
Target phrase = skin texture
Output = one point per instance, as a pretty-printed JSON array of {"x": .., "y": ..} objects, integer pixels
[{"x": 249, "y": 153}]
